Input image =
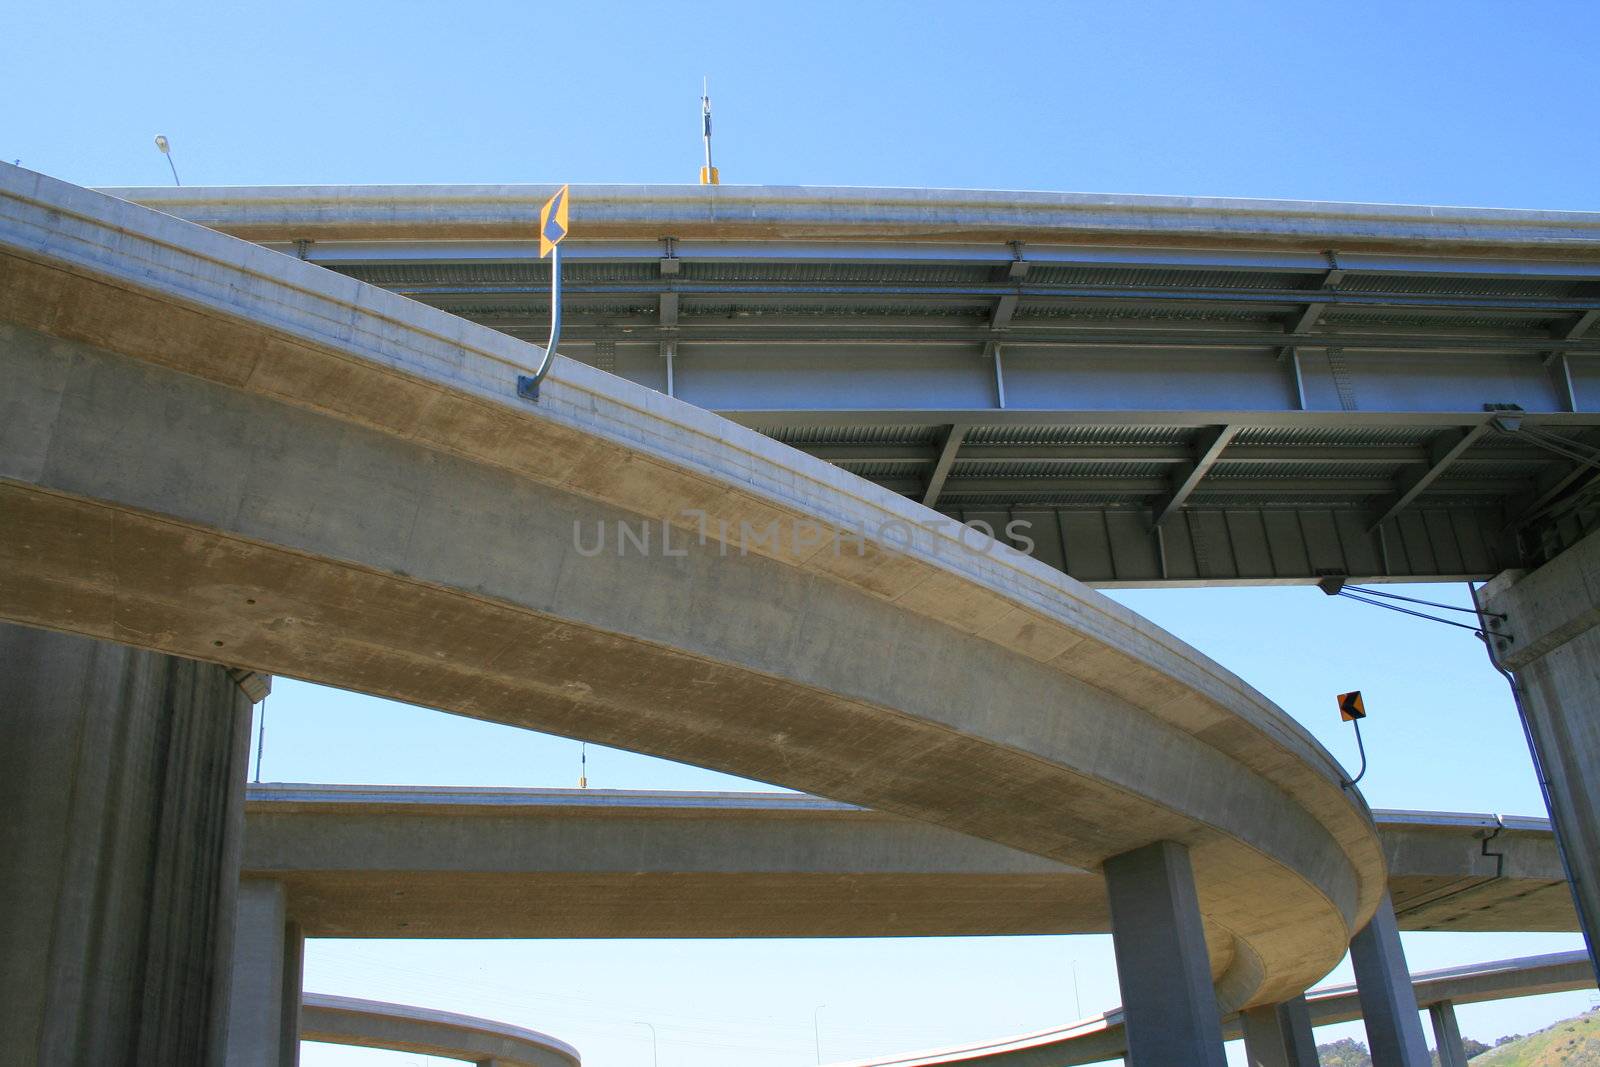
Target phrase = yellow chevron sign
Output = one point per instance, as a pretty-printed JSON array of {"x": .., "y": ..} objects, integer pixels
[
  {"x": 553, "y": 222},
  {"x": 1351, "y": 707}
]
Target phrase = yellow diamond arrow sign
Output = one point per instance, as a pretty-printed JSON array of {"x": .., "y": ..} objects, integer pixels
[
  {"x": 1350, "y": 706},
  {"x": 553, "y": 222}
]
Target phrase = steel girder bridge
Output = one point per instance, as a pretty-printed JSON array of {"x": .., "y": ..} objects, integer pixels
[{"x": 1161, "y": 390}]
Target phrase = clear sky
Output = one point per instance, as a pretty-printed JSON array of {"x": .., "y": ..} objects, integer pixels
[{"x": 1442, "y": 103}]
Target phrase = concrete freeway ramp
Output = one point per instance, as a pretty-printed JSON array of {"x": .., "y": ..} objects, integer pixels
[
  {"x": 400, "y": 1027},
  {"x": 413, "y": 861},
  {"x": 1104, "y": 1037},
  {"x": 217, "y": 451},
  {"x": 427, "y": 1032}
]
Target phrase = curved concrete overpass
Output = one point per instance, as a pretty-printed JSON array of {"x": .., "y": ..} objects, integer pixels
[
  {"x": 213, "y": 450},
  {"x": 370, "y": 861},
  {"x": 403, "y": 1028},
  {"x": 1104, "y": 1037}
]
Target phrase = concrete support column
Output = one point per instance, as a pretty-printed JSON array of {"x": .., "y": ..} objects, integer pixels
[
  {"x": 1447, "y": 1035},
  {"x": 1388, "y": 1002},
  {"x": 1168, "y": 1004},
  {"x": 1279, "y": 1035},
  {"x": 264, "y": 1018},
  {"x": 122, "y": 788},
  {"x": 1550, "y": 639}
]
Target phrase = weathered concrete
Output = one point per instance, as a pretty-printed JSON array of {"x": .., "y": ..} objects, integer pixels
[
  {"x": 1294, "y": 1024},
  {"x": 1388, "y": 1004},
  {"x": 732, "y": 212},
  {"x": 1447, "y": 1034},
  {"x": 1102, "y": 1037},
  {"x": 122, "y": 787},
  {"x": 1549, "y": 639},
  {"x": 268, "y": 969},
  {"x": 1469, "y": 872},
  {"x": 223, "y": 451},
  {"x": 1167, "y": 1000},
  {"x": 1279, "y": 1035},
  {"x": 426, "y": 1032},
  {"x": 362, "y": 861},
  {"x": 1472, "y": 983}
]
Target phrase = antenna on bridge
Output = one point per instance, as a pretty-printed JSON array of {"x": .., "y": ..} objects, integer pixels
[{"x": 708, "y": 173}]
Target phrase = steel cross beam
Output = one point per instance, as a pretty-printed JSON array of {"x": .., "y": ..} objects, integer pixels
[
  {"x": 1256, "y": 455},
  {"x": 1134, "y": 333},
  {"x": 1268, "y": 300},
  {"x": 999, "y": 320},
  {"x": 1313, "y": 310},
  {"x": 1004, "y": 309},
  {"x": 942, "y": 465},
  {"x": 667, "y": 315},
  {"x": 1445, "y": 449},
  {"x": 1558, "y": 363},
  {"x": 1208, "y": 450},
  {"x": 1551, "y": 489},
  {"x": 1021, "y": 488}
]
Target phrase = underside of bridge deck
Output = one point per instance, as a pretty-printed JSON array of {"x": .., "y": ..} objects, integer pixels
[{"x": 1143, "y": 390}]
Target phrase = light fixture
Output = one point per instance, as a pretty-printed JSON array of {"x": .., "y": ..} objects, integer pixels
[{"x": 165, "y": 148}]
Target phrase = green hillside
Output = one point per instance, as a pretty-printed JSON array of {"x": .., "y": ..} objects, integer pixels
[{"x": 1569, "y": 1043}]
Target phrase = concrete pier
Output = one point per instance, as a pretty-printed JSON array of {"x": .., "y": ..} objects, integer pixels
[
  {"x": 1388, "y": 1003},
  {"x": 269, "y": 949},
  {"x": 1162, "y": 963},
  {"x": 122, "y": 782},
  {"x": 1447, "y": 1035},
  {"x": 1549, "y": 639},
  {"x": 1279, "y": 1035}
]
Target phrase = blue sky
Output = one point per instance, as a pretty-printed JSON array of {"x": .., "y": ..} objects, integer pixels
[
  {"x": 1451, "y": 103},
  {"x": 1459, "y": 103}
]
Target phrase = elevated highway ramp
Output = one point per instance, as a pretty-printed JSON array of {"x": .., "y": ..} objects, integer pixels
[{"x": 221, "y": 452}]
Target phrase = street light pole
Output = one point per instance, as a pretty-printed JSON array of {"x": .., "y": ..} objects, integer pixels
[
  {"x": 655, "y": 1048},
  {"x": 165, "y": 148},
  {"x": 816, "y": 1030}
]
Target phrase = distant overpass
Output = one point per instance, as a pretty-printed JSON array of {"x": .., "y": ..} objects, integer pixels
[
  {"x": 427, "y": 1032},
  {"x": 366, "y": 861},
  {"x": 1103, "y": 1037},
  {"x": 1167, "y": 390},
  {"x": 404, "y": 1028}
]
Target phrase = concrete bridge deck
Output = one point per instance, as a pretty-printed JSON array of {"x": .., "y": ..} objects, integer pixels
[
  {"x": 1287, "y": 389},
  {"x": 362, "y": 861},
  {"x": 216, "y": 451},
  {"x": 427, "y": 1032},
  {"x": 1103, "y": 1037},
  {"x": 376, "y": 1024}
]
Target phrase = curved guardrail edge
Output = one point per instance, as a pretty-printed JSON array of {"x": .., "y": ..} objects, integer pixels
[
  {"x": 1575, "y": 961},
  {"x": 389, "y": 1010}
]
